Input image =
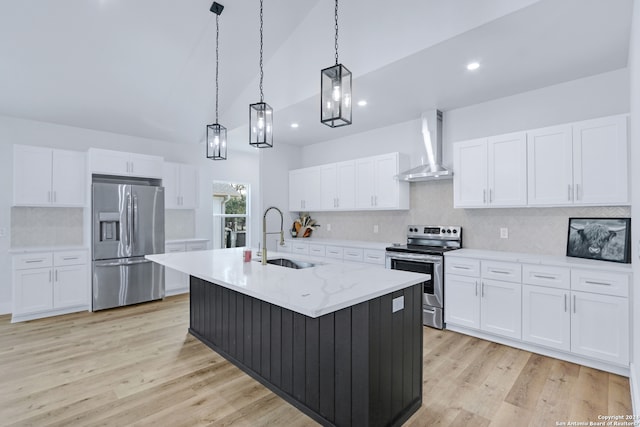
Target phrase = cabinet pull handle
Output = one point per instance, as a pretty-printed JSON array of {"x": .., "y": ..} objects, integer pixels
[
  {"x": 578, "y": 192},
  {"x": 574, "y": 304},
  {"x": 461, "y": 267},
  {"x": 484, "y": 196},
  {"x": 499, "y": 271},
  {"x": 490, "y": 195},
  {"x": 30, "y": 261},
  {"x": 69, "y": 258},
  {"x": 476, "y": 282},
  {"x": 590, "y": 282},
  {"x": 131, "y": 167},
  {"x": 569, "y": 195},
  {"x": 482, "y": 289},
  {"x": 540, "y": 276},
  {"x": 565, "y": 303}
]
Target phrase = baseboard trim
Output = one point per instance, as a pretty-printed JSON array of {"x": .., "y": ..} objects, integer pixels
[{"x": 635, "y": 392}]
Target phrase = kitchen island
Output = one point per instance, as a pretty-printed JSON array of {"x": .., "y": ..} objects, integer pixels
[{"x": 342, "y": 342}]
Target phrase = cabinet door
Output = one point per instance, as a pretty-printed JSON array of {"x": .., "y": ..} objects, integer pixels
[
  {"x": 69, "y": 178},
  {"x": 461, "y": 302},
  {"x": 304, "y": 189},
  {"x": 507, "y": 170},
  {"x": 549, "y": 166},
  {"x": 145, "y": 166},
  {"x": 188, "y": 187},
  {"x": 365, "y": 186},
  {"x": 470, "y": 174},
  {"x": 328, "y": 187},
  {"x": 546, "y": 319},
  {"x": 296, "y": 190},
  {"x": 32, "y": 171},
  {"x": 346, "y": 185},
  {"x": 32, "y": 290},
  {"x": 600, "y": 327},
  {"x": 600, "y": 161},
  {"x": 109, "y": 162},
  {"x": 387, "y": 190},
  {"x": 500, "y": 308},
  {"x": 170, "y": 178},
  {"x": 70, "y": 286}
]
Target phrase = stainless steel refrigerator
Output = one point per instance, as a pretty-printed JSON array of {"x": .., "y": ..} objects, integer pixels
[{"x": 128, "y": 223}]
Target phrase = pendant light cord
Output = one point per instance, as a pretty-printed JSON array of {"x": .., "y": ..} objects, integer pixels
[
  {"x": 336, "y": 16},
  {"x": 217, "y": 53},
  {"x": 261, "y": 71}
]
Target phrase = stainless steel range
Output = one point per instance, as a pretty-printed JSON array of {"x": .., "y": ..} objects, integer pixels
[{"x": 424, "y": 253}]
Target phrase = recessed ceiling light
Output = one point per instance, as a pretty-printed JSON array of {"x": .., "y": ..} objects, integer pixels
[
  {"x": 362, "y": 103},
  {"x": 473, "y": 66},
  {"x": 294, "y": 125}
]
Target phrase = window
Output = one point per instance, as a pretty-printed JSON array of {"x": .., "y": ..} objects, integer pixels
[{"x": 230, "y": 214}]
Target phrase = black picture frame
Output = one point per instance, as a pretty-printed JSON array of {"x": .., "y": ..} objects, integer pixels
[{"x": 603, "y": 239}]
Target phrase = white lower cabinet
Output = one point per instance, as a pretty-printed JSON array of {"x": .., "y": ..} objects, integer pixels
[
  {"x": 578, "y": 313},
  {"x": 47, "y": 284},
  {"x": 177, "y": 282}
]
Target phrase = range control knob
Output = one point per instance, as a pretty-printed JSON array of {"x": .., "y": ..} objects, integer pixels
[
  {"x": 443, "y": 231},
  {"x": 455, "y": 231},
  {"x": 449, "y": 231}
]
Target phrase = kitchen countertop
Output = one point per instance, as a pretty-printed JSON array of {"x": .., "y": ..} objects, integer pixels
[
  {"x": 187, "y": 240},
  {"x": 323, "y": 289},
  {"x": 560, "y": 261},
  {"x": 34, "y": 249}
]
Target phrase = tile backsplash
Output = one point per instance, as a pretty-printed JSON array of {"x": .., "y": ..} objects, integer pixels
[
  {"x": 179, "y": 224},
  {"x": 531, "y": 230},
  {"x": 46, "y": 227}
]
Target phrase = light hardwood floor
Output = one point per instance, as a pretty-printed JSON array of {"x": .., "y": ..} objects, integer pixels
[{"x": 139, "y": 366}]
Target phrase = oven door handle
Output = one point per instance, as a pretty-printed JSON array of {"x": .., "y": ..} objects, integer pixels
[{"x": 414, "y": 257}]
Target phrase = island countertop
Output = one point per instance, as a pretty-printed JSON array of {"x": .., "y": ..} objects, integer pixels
[{"x": 325, "y": 288}]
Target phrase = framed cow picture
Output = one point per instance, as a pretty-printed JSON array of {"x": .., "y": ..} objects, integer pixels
[{"x": 606, "y": 239}]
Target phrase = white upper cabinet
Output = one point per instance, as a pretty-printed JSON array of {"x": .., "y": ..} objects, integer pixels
[
  {"x": 304, "y": 189},
  {"x": 491, "y": 172},
  {"x": 376, "y": 184},
  {"x": 550, "y": 177},
  {"x": 181, "y": 186},
  {"x": 600, "y": 161},
  {"x": 338, "y": 186},
  {"x": 48, "y": 177},
  {"x": 120, "y": 163},
  {"x": 577, "y": 164},
  {"x": 365, "y": 183}
]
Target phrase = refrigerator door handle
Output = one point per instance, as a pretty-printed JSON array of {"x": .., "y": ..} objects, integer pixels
[
  {"x": 118, "y": 263},
  {"x": 129, "y": 222}
]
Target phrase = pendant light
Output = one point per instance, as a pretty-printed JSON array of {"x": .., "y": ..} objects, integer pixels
[
  {"x": 335, "y": 91},
  {"x": 260, "y": 113},
  {"x": 216, "y": 133}
]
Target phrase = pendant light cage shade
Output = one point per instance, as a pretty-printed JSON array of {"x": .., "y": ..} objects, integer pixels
[
  {"x": 260, "y": 125},
  {"x": 216, "y": 142},
  {"x": 335, "y": 108}
]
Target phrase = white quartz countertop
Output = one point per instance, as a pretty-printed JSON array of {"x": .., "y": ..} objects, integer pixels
[
  {"x": 315, "y": 291},
  {"x": 561, "y": 261}
]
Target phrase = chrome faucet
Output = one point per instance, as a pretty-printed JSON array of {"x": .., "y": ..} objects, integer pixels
[{"x": 264, "y": 233}]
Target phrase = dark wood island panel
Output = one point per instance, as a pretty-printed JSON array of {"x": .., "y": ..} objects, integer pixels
[{"x": 359, "y": 366}]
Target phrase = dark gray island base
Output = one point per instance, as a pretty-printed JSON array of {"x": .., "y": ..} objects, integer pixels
[{"x": 359, "y": 366}]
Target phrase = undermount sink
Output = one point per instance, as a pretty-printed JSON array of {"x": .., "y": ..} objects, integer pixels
[{"x": 290, "y": 263}]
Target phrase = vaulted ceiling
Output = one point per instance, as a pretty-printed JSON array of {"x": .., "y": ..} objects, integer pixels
[{"x": 147, "y": 67}]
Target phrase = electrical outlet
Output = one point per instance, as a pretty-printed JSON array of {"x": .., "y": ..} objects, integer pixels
[
  {"x": 504, "y": 233},
  {"x": 328, "y": 227},
  {"x": 375, "y": 228}
]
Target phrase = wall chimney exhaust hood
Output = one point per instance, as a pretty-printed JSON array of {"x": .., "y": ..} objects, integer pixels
[{"x": 432, "y": 136}]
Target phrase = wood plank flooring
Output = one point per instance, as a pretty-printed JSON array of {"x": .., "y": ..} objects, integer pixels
[{"x": 138, "y": 366}]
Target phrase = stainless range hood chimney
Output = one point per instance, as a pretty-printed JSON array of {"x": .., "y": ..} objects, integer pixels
[{"x": 432, "y": 168}]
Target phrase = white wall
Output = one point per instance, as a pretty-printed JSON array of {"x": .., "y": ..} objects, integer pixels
[
  {"x": 240, "y": 167},
  {"x": 634, "y": 67}
]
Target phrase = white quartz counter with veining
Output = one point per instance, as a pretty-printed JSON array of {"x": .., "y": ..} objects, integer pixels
[{"x": 315, "y": 291}]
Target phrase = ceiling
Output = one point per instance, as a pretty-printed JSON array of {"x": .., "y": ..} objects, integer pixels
[{"x": 147, "y": 67}]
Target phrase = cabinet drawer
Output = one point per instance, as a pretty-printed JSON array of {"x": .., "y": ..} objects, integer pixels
[
  {"x": 374, "y": 256},
  {"x": 600, "y": 282},
  {"x": 462, "y": 266},
  {"x": 546, "y": 275},
  {"x": 196, "y": 246},
  {"x": 334, "y": 252},
  {"x": 69, "y": 258},
  {"x": 300, "y": 248},
  {"x": 353, "y": 254},
  {"x": 316, "y": 250},
  {"x": 505, "y": 271},
  {"x": 35, "y": 260},
  {"x": 174, "y": 247}
]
